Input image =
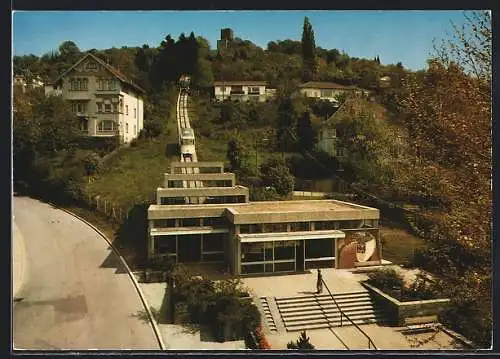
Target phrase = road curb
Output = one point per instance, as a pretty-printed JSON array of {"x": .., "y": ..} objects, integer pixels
[
  {"x": 131, "y": 275},
  {"x": 19, "y": 262}
]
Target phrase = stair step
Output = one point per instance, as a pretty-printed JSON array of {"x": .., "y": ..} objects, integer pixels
[
  {"x": 329, "y": 312},
  {"x": 336, "y": 295},
  {"x": 310, "y": 299},
  {"x": 298, "y": 327},
  {"x": 324, "y": 300},
  {"x": 321, "y": 316},
  {"x": 356, "y": 319},
  {"x": 309, "y": 306}
]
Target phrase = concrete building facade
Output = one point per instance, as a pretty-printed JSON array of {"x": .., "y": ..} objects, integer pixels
[
  {"x": 105, "y": 101},
  {"x": 215, "y": 222}
]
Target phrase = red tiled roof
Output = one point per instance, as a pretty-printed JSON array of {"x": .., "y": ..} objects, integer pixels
[{"x": 110, "y": 68}]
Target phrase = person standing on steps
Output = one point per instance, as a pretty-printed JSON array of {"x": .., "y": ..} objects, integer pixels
[{"x": 319, "y": 283}]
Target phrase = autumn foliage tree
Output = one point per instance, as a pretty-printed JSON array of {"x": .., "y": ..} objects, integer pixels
[{"x": 448, "y": 119}]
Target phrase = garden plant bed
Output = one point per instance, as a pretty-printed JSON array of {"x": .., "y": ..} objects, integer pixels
[{"x": 410, "y": 312}]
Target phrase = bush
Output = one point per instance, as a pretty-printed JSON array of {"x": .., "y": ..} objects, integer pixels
[
  {"x": 216, "y": 305},
  {"x": 302, "y": 343},
  {"x": 91, "y": 163},
  {"x": 386, "y": 279}
]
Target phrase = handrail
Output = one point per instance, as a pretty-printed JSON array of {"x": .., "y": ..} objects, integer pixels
[{"x": 370, "y": 341}]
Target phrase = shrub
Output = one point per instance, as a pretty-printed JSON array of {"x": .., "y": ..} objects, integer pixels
[
  {"x": 386, "y": 279},
  {"x": 302, "y": 343},
  {"x": 91, "y": 163},
  {"x": 261, "y": 338}
]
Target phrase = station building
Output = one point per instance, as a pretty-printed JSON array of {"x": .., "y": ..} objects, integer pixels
[{"x": 206, "y": 217}]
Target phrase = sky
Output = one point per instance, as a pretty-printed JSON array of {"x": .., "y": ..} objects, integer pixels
[{"x": 395, "y": 36}]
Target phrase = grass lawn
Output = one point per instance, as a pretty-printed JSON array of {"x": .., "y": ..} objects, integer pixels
[
  {"x": 398, "y": 245},
  {"x": 133, "y": 175}
]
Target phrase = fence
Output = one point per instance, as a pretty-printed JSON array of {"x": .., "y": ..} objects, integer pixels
[{"x": 109, "y": 209}]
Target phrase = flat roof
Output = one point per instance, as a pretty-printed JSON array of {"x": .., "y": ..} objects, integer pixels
[
  {"x": 269, "y": 212},
  {"x": 295, "y": 206}
]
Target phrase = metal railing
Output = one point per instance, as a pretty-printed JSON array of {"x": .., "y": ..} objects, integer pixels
[{"x": 371, "y": 344}]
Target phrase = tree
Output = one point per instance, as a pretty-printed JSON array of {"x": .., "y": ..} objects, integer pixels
[
  {"x": 302, "y": 343},
  {"x": 447, "y": 111},
  {"x": 286, "y": 119},
  {"x": 275, "y": 173},
  {"x": 308, "y": 51},
  {"x": 306, "y": 133},
  {"x": 470, "y": 46},
  {"x": 236, "y": 155}
]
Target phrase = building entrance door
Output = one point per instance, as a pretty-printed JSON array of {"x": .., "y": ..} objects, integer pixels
[{"x": 299, "y": 257}]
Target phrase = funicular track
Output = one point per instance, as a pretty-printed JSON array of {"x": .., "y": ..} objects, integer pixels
[{"x": 182, "y": 124}]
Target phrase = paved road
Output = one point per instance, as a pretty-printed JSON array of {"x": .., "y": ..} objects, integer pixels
[{"x": 75, "y": 294}]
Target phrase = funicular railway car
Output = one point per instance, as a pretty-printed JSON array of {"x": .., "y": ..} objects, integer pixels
[
  {"x": 184, "y": 82},
  {"x": 187, "y": 143}
]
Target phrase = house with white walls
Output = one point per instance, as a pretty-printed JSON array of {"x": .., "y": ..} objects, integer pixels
[
  {"x": 104, "y": 100},
  {"x": 328, "y": 90},
  {"x": 241, "y": 91}
]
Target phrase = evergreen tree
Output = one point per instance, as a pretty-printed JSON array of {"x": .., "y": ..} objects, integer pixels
[
  {"x": 308, "y": 51},
  {"x": 276, "y": 174},
  {"x": 285, "y": 123},
  {"x": 236, "y": 155},
  {"x": 301, "y": 344},
  {"x": 305, "y": 131}
]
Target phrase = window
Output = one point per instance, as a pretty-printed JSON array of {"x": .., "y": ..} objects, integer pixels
[
  {"x": 84, "y": 124},
  {"x": 121, "y": 105},
  {"x": 251, "y": 228},
  {"x": 223, "y": 88},
  {"x": 214, "y": 221},
  {"x": 299, "y": 226},
  {"x": 99, "y": 106},
  {"x": 126, "y": 110},
  {"x": 135, "y": 130},
  {"x": 325, "y": 225},
  {"x": 107, "y": 107},
  {"x": 253, "y": 91},
  {"x": 79, "y": 84},
  {"x": 275, "y": 227},
  {"x": 135, "y": 113},
  {"x": 126, "y": 128},
  {"x": 105, "y": 84},
  {"x": 213, "y": 242},
  {"x": 189, "y": 222},
  {"x": 326, "y": 93},
  {"x": 106, "y": 125},
  {"x": 237, "y": 90},
  {"x": 79, "y": 107},
  {"x": 340, "y": 152},
  {"x": 91, "y": 65},
  {"x": 163, "y": 223}
]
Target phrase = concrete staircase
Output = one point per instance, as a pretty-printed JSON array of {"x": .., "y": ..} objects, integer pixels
[
  {"x": 268, "y": 315},
  {"x": 319, "y": 311}
]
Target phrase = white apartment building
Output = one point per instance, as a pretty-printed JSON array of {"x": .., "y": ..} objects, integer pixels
[{"x": 105, "y": 101}]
